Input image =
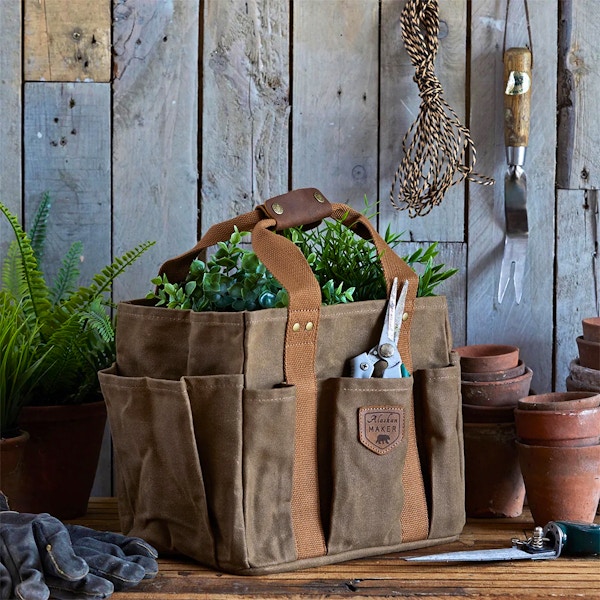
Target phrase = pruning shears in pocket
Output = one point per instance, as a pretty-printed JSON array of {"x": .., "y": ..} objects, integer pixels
[{"x": 384, "y": 360}]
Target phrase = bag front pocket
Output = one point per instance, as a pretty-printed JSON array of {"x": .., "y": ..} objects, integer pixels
[
  {"x": 216, "y": 404},
  {"x": 438, "y": 407},
  {"x": 161, "y": 489},
  {"x": 268, "y": 465},
  {"x": 367, "y": 421}
]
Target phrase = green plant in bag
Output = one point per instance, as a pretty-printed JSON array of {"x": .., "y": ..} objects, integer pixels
[
  {"x": 346, "y": 266},
  {"x": 232, "y": 279}
]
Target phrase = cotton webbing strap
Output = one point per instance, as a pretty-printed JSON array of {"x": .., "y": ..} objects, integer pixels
[
  {"x": 414, "y": 521},
  {"x": 287, "y": 263}
]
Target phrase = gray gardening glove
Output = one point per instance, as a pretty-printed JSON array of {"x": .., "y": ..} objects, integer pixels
[
  {"x": 37, "y": 560},
  {"x": 124, "y": 561}
]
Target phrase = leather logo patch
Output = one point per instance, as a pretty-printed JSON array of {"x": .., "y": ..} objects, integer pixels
[{"x": 380, "y": 428}]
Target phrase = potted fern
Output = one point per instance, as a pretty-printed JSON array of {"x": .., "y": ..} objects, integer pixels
[{"x": 55, "y": 337}]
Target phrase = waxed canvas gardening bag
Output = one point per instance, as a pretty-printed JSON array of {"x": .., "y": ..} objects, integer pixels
[{"x": 242, "y": 442}]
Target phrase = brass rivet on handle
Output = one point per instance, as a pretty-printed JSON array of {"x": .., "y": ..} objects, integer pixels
[
  {"x": 296, "y": 327},
  {"x": 309, "y": 326},
  {"x": 318, "y": 197},
  {"x": 277, "y": 208},
  {"x": 405, "y": 316}
]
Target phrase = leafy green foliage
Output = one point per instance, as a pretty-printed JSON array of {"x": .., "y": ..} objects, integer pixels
[
  {"x": 335, "y": 253},
  {"x": 233, "y": 279},
  {"x": 20, "y": 366},
  {"x": 55, "y": 337},
  {"x": 346, "y": 266}
]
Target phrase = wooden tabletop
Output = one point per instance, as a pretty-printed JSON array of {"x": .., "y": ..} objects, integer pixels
[{"x": 381, "y": 577}]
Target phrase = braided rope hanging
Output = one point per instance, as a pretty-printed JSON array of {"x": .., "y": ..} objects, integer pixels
[{"x": 437, "y": 147}]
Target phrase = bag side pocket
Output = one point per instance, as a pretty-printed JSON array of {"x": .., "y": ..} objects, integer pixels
[
  {"x": 268, "y": 465},
  {"x": 368, "y": 449},
  {"x": 438, "y": 407},
  {"x": 216, "y": 405},
  {"x": 161, "y": 497}
]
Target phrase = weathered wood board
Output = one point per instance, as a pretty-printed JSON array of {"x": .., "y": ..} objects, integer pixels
[
  {"x": 67, "y": 154},
  {"x": 67, "y": 141},
  {"x": 577, "y": 273},
  {"x": 245, "y": 106},
  {"x": 529, "y": 324},
  {"x": 209, "y": 107},
  {"x": 66, "y": 40},
  {"x": 155, "y": 125},
  {"x": 335, "y": 99},
  {"x": 578, "y": 98},
  {"x": 10, "y": 123},
  {"x": 400, "y": 105}
]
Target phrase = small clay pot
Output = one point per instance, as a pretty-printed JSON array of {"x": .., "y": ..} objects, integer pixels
[
  {"x": 497, "y": 393},
  {"x": 487, "y": 414},
  {"x": 483, "y": 358},
  {"x": 588, "y": 379},
  {"x": 495, "y": 375},
  {"x": 494, "y": 485},
  {"x": 589, "y": 353},
  {"x": 562, "y": 483},
  {"x": 591, "y": 329},
  {"x": 560, "y": 401},
  {"x": 575, "y": 386},
  {"x": 558, "y": 428}
]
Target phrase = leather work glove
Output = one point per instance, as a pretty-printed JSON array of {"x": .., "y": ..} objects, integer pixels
[
  {"x": 37, "y": 559},
  {"x": 124, "y": 561}
]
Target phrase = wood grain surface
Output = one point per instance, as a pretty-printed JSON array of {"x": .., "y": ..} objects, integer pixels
[{"x": 387, "y": 576}]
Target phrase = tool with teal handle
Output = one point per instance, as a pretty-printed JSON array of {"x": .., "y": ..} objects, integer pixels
[{"x": 557, "y": 538}]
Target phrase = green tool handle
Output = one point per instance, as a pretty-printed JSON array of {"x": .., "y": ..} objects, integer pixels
[{"x": 579, "y": 538}]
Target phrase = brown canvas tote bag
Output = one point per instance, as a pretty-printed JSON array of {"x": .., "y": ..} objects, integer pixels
[{"x": 241, "y": 441}]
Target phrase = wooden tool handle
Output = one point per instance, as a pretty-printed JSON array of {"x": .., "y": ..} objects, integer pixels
[{"x": 517, "y": 96}]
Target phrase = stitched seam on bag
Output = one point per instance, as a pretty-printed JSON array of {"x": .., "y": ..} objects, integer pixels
[
  {"x": 180, "y": 320},
  {"x": 265, "y": 400},
  {"x": 122, "y": 384},
  {"x": 359, "y": 389}
]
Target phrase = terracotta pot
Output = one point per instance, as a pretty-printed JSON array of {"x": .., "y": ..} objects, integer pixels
[
  {"x": 481, "y": 358},
  {"x": 560, "y": 401},
  {"x": 487, "y": 414},
  {"x": 12, "y": 450},
  {"x": 586, "y": 378},
  {"x": 589, "y": 353},
  {"x": 61, "y": 458},
  {"x": 495, "y": 375},
  {"x": 591, "y": 329},
  {"x": 562, "y": 483},
  {"x": 493, "y": 483},
  {"x": 497, "y": 393},
  {"x": 558, "y": 428}
]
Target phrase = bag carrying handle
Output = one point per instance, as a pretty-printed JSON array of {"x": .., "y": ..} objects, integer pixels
[
  {"x": 307, "y": 207},
  {"x": 287, "y": 263}
]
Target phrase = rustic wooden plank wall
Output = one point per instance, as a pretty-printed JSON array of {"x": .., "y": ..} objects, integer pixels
[{"x": 190, "y": 111}]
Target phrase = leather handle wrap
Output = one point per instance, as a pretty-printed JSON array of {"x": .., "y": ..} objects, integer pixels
[{"x": 287, "y": 263}]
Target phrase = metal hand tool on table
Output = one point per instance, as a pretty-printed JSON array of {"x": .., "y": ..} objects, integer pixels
[
  {"x": 384, "y": 360},
  {"x": 517, "y": 97},
  {"x": 553, "y": 540}
]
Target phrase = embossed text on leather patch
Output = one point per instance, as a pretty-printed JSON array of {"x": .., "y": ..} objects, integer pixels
[{"x": 380, "y": 428}]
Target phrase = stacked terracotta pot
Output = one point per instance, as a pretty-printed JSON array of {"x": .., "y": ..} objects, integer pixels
[
  {"x": 584, "y": 371},
  {"x": 493, "y": 379},
  {"x": 559, "y": 451}
]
